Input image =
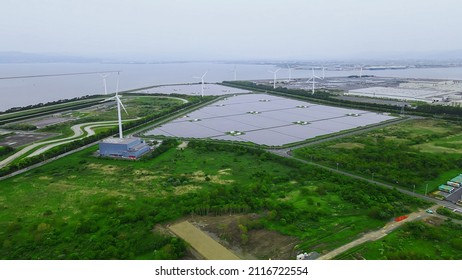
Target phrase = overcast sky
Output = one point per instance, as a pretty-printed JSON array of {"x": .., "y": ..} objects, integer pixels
[{"x": 230, "y": 29}]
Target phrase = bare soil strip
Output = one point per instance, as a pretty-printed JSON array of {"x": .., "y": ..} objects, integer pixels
[
  {"x": 201, "y": 242},
  {"x": 376, "y": 235}
]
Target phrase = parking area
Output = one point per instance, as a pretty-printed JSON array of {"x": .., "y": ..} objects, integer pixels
[
  {"x": 455, "y": 196},
  {"x": 267, "y": 120},
  {"x": 22, "y": 138}
]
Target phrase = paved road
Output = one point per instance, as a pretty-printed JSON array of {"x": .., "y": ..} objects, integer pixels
[
  {"x": 376, "y": 235},
  {"x": 88, "y": 129},
  {"x": 76, "y": 129}
]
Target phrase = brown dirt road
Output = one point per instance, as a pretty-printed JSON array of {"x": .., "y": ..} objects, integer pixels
[{"x": 375, "y": 235}]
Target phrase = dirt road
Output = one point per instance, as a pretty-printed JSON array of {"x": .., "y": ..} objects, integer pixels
[
  {"x": 201, "y": 242},
  {"x": 375, "y": 235}
]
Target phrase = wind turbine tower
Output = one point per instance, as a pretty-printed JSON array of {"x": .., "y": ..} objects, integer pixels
[
  {"x": 312, "y": 79},
  {"x": 202, "y": 82},
  {"x": 119, "y": 104},
  {"x": 128, "y": 148},
  {"x": 290, "y": 73},
  {"x": 235, "y": 73},
  {"x": 274, "y": 76},
  {"x": 104, "y": 76}
]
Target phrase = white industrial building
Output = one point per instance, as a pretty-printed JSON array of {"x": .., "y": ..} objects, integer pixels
[
  {"x": 429, "y": 91},
  {"x": 406, "y": 94}
]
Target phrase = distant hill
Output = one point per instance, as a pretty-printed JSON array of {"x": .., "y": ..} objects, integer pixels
[{"x": 21, "y": 57}]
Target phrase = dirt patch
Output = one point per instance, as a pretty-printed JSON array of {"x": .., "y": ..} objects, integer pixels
[
  {"x": 185, "y": 189},
  {"x": 142, "y": 172},
  {"x": 236, "y": 232},
  {"x": 200, "y": 176},
  {"x": 434, "y": 221},
  {"x": 206, "y": 246},
  {"x": 432, "y": 148},
  {"x": 226, "y": 171},
  {"x": 183, "y": 145}
]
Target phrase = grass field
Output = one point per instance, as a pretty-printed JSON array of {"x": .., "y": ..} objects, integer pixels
[
  {"x": 413, "y": 153},
  {"x": 82, "y": 207},
  {"x": 415, "y": 240},
  {"x": 137, "y": 107}
]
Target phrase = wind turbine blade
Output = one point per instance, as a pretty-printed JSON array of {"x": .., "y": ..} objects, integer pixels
[
  {"x": 107, "y": 99},
  {"x": 204, "y": 74},
  {"x": 121, "y": 104},
  {"x": 277, "y": 70},
  {"x": 117, "y": 85}
]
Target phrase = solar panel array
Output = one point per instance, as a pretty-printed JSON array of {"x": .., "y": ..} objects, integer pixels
[{"x": 266, "y": 119}]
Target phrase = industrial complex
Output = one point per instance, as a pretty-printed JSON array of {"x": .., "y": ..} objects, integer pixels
[
  {"x": 381, "y": 89},
  {"x": 428, "y": 91},
  {"x": 130, "y": 148}
]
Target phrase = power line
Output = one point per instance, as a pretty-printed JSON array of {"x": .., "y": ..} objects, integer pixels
[{"x": 56, "y": 75}]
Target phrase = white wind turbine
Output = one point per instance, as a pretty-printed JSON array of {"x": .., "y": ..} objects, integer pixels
[
  {"x": 290, "y": 73},
  {"x": 119, "y": 104},
  {"x": 312, "y": 79},
  {"x": 274, "y": 76},
  {"x": 361, "y": 72},
  {"x": 323, "y": 74},
  {"x": 104, "y": 76},
  {"x": 202, "y": 81}
]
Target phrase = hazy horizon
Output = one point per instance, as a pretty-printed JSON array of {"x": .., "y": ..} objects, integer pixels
[{"x": 234, "y": 30}]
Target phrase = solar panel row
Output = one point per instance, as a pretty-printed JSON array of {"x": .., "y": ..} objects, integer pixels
[{"x": 266, "y": 119}]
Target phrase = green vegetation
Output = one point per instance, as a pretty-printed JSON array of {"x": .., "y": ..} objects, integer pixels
[
  {"x": 20, "y": 126},
  {"x": 137, "y": 107},
  {"x": 416, "y": 152},
  {"x": 64, "y": 129},
  {"x": 5, "y": 151},
  {"x": 413, "y": 241},
  {"x": 83, "y": 207},
  {"x": 448, "y": 213}
]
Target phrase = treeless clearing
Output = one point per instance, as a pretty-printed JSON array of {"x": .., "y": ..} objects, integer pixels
[{"x": 201, "y": 242}]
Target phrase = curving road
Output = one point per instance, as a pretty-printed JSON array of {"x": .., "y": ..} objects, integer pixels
[
  {"x": 78, "y": 133},
  {"x": 88, "y": 129},
  {"x": 76, "y": 129}
]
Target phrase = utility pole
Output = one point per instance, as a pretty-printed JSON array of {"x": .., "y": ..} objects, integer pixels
[{"x": 426, "y": 188}]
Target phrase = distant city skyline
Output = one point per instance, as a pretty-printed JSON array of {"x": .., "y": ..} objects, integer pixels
[{"x": 234, "y": 30}]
